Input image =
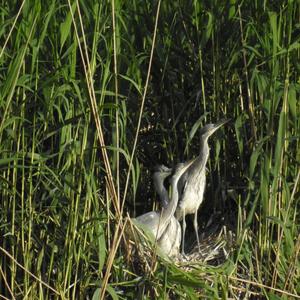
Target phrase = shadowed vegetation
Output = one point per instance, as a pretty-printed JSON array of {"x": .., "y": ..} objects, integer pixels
[{"x": 94, "y": 93}]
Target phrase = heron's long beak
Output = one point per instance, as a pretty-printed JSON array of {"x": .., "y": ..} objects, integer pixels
[
  {"x": 218, "y": 125},
  {"x": 221, "y": 123}
]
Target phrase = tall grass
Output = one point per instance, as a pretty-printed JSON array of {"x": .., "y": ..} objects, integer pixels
[{"x": 94, "y": 93}]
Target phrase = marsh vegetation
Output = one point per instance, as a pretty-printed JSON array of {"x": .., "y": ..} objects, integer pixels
[{"x": 94, "y": 93}]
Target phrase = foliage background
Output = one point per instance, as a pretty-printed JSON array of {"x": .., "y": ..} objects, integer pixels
[{"x": 88, "y": 97}]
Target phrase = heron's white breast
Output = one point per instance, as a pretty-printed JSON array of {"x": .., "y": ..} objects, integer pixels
[{"x": 192, "y": 196}]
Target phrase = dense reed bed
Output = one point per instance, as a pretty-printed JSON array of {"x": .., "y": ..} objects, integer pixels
[{"x": 94, "y": 93}]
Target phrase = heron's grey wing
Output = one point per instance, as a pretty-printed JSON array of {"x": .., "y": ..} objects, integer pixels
[
  {"x": 151, "y": 220},
  {"x": 170, "y": 240},
  {"x": 176, "y": 239},
  {"x": 186, "y": 175},
  {"x": 196, "y": 167},
  {"x": 181, "y": 183}
]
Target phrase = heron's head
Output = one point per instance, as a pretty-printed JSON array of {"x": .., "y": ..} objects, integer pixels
[
  {"x": 209, "y": 129},
  {"x": 161, "y": 169},
  {"x": 161, "y": 172}
]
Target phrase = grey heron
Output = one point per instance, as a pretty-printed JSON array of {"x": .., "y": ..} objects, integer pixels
[
  {"x": 161, "y": 172},
  {"x": 171, "y": 238},
  {"x": 192, "y": 182},
  {"x": 163, "y": 225}
]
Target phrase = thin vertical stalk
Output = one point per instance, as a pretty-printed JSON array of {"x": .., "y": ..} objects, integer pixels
[
  {"x": 142, "y": 105},
  {"x": 279, "y": 188},
  {"x": 116, "y": 241},
  {"x": 116, "y": 99},
  {"x": 12, "y": 28},
  {"x": 92, "y": 95},
  {"x": 202, "y": 81},
  {"x": 250, "y": 102}
]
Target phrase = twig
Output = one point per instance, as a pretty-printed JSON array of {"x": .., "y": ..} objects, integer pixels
[
  {"x": 12, "y": 28},
  {"x": 28, "y": 272},
  {"x": 117, "y": 238},
  {"x": 88, "y": 74},
  {"x": 6, "y": 284},
  {"x": 261, "y": 285}
]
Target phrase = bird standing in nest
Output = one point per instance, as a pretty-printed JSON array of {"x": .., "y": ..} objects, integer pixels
[
  {"x": 163, "y": 224},
  {"x": 192, "y": 182}
]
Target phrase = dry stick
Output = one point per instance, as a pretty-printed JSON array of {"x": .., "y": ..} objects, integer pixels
[
  {"x": 250, "y": 103},
  {"x": 104, "y": 153},
  {"x": 108, "y": 214},
  {"x": 109, "y": 179},
  {"x": 100, "y": 134},
  {"x": 28, "y": 272},
  {"x": 97, "y": 120},
  {"x": 12, "y": 28},
  {"x": 115, "y": 245},
  {"x": 91, "y": 91},
  {"x": 2, "y": 297},
  {"x": 117, "y": 238},
  {"x": 142, "y": 106},
  {"x": 264, "y": 286},
  {"x": 137, "y": 236},
  {"x": 6, "y": 284},
  {"x": 242, "y": 289}
]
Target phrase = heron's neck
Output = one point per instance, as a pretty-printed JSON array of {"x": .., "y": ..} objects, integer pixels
[
  {"x": 201, "y": 160},
  {"x": 204, "y": 146},
  {"x": 162, "y": 192},
  {"x": 169, "y": 211}
]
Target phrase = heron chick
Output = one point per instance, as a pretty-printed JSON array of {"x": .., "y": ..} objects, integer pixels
[
  {"x": 192, "y": 183},
  {"x": 161, "y": 172},
  {"x": 163, "y": 225}
]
